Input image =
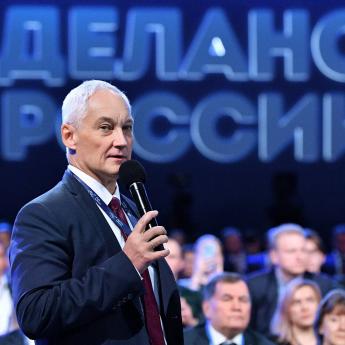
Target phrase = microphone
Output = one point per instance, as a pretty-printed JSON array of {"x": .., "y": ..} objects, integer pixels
[{"x": 132, "y": 175}]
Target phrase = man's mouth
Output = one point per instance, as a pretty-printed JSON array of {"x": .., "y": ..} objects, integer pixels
[{"x": 117, "y": 156}]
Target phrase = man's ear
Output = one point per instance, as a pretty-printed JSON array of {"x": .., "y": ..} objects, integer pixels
[
  {"x": 68, "y": 136},
  {"x": 273, "y": 256}
]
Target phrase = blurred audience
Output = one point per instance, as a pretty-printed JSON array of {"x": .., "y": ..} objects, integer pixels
[
  {"x": 315, "y": 251},
  {"x": 288, "y": 256},
  {"x": 188, "y": 255},
  {"x": 293, "y": 320},
  {"x": 235, "y": 258},
  {"x": 174, "y": 259},
  {"x": 178, "y": 235},
  {"x": 9, "y": 329},
  {"x": 190, "y": 300},
  {"x": 5, "y": 233},
  {"x": 330, "y": 319},
  {"x": 283, "y": 296},
  {"x": 208, "y": 261},
  {"x": 335, "y": 261},
  {"x": 226, "y": 305},
  {"x": 188, "y": 318},
  {"x": 252, "y": 242}
]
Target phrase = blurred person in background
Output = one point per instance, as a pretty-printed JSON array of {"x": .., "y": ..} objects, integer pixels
[
  {"x": 293, "y": 321},
  {"x": 190, "y": 300},
  {"x": 178, "y": 235},
  {"x": 226, "y": 305},
  {"x": 9, "y": 328},
  {"x": 315, "y": 250},
  {"x": 174, "y": 259},
  {"x": 288, "y": 256},
  {"x": 252, "y": 241},
  {"x": 5, "y": 233},
  {"x": 208, "y": 262},
  {"x": 330, "y": 319},
  {"x": 335, "y": 261},
  {"x": 257, "y": 256},
  {"x": 188, "y": 255},
  {"x": 235, "y": 258}
]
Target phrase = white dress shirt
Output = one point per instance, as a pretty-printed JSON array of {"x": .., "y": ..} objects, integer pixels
[{"x": 217, "y": 338}]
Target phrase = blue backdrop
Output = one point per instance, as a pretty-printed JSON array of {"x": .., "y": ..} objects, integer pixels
[{"x": 239, "y": 105}]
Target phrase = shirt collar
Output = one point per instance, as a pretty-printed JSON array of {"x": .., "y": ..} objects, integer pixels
[
  {"x": 217, "y": 338},
  {"x": 95, "y": 185}
]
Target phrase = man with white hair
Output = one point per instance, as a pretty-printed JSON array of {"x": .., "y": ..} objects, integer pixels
[
  {"x": 288, "y": 256},
  {"x": 84, "y": 270}
]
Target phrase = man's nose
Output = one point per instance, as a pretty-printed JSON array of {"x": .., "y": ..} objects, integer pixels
[
  {"x": 235, "y": 305},
  {"x": 119, "y": 138}
]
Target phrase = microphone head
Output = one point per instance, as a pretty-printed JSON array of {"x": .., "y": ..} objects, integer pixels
[{"x": 131, "y": 172}]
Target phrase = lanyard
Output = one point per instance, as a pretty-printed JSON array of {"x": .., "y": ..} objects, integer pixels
[{"x": 106, "y": 208}]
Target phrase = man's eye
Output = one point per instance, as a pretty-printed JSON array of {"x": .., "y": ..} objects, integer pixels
[
  {"x": 105, "y": 127},
  {"x": 128, "y": 128}
]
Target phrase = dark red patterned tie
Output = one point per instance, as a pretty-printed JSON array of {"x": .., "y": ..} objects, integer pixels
[{"x": 152, "y": 318}]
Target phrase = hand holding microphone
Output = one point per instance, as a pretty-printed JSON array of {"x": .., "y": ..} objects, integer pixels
[{"x": 145, "y": 244}]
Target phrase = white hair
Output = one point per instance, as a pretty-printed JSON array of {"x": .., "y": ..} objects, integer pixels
[
  {"x": 74, "y": 106},
  {"x": 286, "y": 228}
]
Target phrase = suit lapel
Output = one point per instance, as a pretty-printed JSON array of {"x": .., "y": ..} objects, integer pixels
[{"x": 92, "y": 213}]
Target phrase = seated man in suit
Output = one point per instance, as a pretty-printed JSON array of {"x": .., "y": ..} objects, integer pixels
[
  {"x": 226, "y": 305},
  {"x": 84, "y": 270},
  {"x": 288, "y": 254}
]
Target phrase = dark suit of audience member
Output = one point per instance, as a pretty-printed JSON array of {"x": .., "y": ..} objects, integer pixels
[
  {"x": 287, "y": 251},
  {"x": 226, "y": 306},
  {"x": 198, "y": 336},
  {"x": 77, "y": 277}
]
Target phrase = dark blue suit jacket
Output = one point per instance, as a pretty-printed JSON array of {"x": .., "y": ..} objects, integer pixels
[
  {"x": 198, "y": 336},
  {"x": 72, "y": 283}
]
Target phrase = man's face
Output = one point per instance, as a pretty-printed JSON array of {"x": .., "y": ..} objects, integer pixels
[
  {"x": 303, "y": 307},
  {"x": 103, "y": 139},
  {"x": 289, "y": 254},
  {"x": 228, "y": 310},
  {"x": 174, "y": 259}
]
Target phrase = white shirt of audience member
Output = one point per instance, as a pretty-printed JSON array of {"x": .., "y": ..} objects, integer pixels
[{"x": 217, "y": 338}]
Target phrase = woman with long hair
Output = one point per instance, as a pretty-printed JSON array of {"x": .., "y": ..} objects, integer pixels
[
  {"x": 330, "y": 319},
  {"x": 293, "y": 321}
]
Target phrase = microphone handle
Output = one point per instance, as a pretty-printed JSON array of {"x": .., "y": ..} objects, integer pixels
[{"x": 139, "y": 195}]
